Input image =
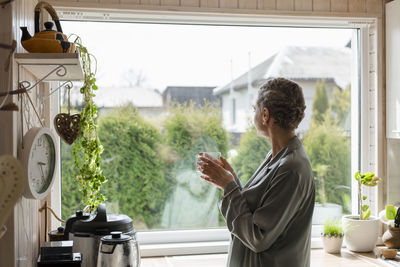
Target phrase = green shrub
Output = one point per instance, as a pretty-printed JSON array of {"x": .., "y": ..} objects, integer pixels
[
  {"x": 133, "y": 165},
  {"x": 340, "y": 105},
  {"x": 320, "y": 102},
  {"x": 71, "y": 197},
  {"x": 192, "y": 129},
  {"x": 326, "y": 145},
  {"x": 189, "y": 130},
  {"x": 142, "y": 165},
  {"x": 251, "y": 152}
]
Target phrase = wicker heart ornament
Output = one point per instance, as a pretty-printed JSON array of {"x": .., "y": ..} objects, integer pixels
[{"x": 67, "y": 126}]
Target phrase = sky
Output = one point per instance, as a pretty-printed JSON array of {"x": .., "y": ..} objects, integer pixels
[{"x": 188, "y": 55}]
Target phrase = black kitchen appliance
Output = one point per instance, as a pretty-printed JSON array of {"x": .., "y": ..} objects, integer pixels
[{"x": 86, "y": 230}]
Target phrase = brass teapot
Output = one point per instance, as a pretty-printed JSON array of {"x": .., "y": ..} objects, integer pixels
[{"x": 47, "y": 41}]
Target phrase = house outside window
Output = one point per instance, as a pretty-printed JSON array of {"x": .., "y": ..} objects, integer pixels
[{"x": 233, "y": 111}]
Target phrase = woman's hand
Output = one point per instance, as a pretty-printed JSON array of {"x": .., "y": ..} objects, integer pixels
[
  {"x": 214, "y": 172},
  {"x": 225, "y": 164}
]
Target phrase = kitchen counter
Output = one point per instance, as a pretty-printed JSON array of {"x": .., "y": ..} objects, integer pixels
[{"x": 318, "y": 258}]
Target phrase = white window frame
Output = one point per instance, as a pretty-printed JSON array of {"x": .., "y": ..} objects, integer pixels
[{"x": 201, "y": 241}]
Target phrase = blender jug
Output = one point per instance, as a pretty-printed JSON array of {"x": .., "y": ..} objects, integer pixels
[{"x": 118, "y": 250}]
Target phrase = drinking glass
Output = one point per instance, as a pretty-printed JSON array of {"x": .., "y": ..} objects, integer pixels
[{"x": 215, "y": 155}]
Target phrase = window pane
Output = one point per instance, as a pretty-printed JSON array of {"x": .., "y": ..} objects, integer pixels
[{"x": 167, "y": 92}]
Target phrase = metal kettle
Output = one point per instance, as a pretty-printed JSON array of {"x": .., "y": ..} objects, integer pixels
[
  {"x": 118, "y": 250},
  {"x": 47, "y": 41}
]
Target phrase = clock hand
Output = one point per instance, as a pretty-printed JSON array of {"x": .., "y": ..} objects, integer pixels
[{"x": 41, "y": 168}]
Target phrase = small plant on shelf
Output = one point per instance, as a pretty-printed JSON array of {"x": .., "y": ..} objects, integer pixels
[
  {"x": 332, "y": 229},
  {"x": 390, "y": 215},
  {"x": 332, "y": 236},
  {"x": 367, "y": 179},
  {"x": 87, "y": 148}
]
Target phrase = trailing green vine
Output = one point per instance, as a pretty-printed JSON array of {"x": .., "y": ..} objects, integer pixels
[{"x": 87, "y": 148}]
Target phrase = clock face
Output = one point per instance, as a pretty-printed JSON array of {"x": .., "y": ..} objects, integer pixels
[{"x": 41, "y": 163}]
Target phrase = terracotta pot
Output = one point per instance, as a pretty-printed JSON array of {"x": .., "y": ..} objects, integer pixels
[{"x": 391, "y": 238}]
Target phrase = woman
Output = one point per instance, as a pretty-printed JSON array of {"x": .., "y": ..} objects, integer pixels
[{"x": 270, "y": 217}]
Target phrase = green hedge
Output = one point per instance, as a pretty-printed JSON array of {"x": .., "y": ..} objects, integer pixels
[
  {"x": 251, "y": 153},
  {"x": 327, "y": 145},
  {"x": 133, "y": 165},
  {"x": 142, "y": 163},
  {"x": 189, "y": 130}
]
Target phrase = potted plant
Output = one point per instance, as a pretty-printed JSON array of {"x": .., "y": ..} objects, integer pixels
[
  {"x": 87, "y": 148},
  {"x": 391, "y": 217},
  {"x": 361, "y": 231},
  {"x": 332, "y": 236}
]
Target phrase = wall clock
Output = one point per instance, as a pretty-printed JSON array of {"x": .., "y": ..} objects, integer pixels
[{"x": 39, "y": 158}]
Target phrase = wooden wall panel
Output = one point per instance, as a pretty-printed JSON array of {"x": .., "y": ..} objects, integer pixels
[
  {"x": 209, "y": 3},
  {"x": 150, "y": 2},
  {"x": 374, "y": 6},
  {"x": 89, "y": 1},
  {"x": 268, "y": 4},
  {"x": 130, "y": 2},
  {"x": 339, "y": 5},
  {"x": 110, "y": 1},
  {"x": 190, "y": 3},
  {"x": 20, "y": 246},
  {"x": 248, "y": 4},
  {"x": 322, "y": 5},
  {"x": 285, "y": 5},
  {"x": 167, "y": 2},
  {"x": 357, "y": 6},
  {"x": 228, "y": 4},
  {"x": 303, "y": 5},
  {"x": 7, "y": 130}
]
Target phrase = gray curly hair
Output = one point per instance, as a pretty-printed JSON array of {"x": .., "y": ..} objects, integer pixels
[{"x": 284, "y": 100}]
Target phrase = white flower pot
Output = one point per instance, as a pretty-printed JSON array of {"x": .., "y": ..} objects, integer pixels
[
  {"x": 360, "y": 235},
  {"x": 332, "y": 244}
]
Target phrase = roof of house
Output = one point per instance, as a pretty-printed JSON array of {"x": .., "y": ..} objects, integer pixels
[
  {"x": 299, "y": 63},
  {"x": 182, "y": 94},
  {"x": 108, "y": 97}
]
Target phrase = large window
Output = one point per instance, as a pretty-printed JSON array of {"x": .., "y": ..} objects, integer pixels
[{"x": 169, "y": 91}]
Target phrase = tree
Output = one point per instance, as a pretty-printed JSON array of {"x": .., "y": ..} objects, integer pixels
[
  {"x": 133, "y": 78},
  {"x": 144, "y": 166},
  {"x": 327, "y": 146},
  {"x": 251, "y": 152},
  {"x": 340, "y": 105},
  {"x": 190, "y": 126},
  {"x": 188, "y": 130},
  {"x": 71, "y": 197},
  {"x": 133, "y": 165},
  {"x": 320, "y": 102}
]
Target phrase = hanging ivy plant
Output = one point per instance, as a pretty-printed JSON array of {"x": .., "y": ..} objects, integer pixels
[{"x": 87, "y": 148}]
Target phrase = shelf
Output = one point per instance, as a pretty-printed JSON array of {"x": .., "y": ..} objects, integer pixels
[{"x": 41, "y": 64}]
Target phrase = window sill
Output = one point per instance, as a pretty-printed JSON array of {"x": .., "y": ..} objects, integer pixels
[
  {"x": 195, "y": 248},
  {"x": 318, "y": 258}
]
